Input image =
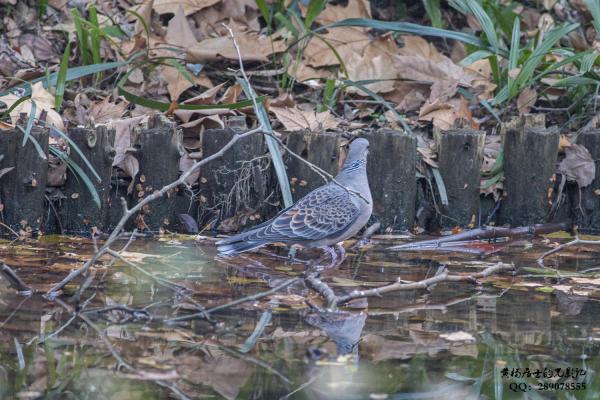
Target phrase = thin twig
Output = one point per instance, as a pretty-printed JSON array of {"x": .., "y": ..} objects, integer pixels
[{"x": 573, "y": 242}]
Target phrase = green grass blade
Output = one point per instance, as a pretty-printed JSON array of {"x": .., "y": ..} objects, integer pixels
[
  {"x": 441, "y": 186},
  {"x": 432, "y": 7},
  {"x": 264, "y": 10},
  {"x": 314, "y": 9},
  {"x": 328, "y": 95},
  {"x": 588, "y": 61},
  {"x": 72, "y": 73},
  {"x": 594, "y": 8},
  {"x": 27, "y": 132},
  {"x": 74, "y": 146},
  {"x": 61, "y": 78},
  {"x": 475, "y": 56},
  {"x": 94, "y": 35},
  {"x": 361, "y": 86},
  {"x": 276, "y": 157},
  {"x": 415, "y": 29},
  {"x": 486, "y": 23},
  {"x": 80, "y": 173},
  {"x": 36, "y": 144},
  {"x": 538, "y": 54},
  {"x": 513, "y": 56},
  {"x": 15, "y": 105},
  {"x": 82, "y": 37}
]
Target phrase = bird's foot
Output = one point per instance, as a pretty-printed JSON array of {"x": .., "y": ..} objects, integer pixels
[{"x": 336, "y": 259}]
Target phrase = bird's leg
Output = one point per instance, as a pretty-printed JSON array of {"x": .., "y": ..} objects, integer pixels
[
  {"x": 342, "y": 255},
  {"x": 334, "y": 257}
]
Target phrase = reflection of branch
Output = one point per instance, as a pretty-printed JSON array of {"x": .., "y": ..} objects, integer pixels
[
  {"x": 332, "y": 300},
  {"x": 112, "y": 349},
  {"x": 206, "y": 313},
  {"x": 484, "y": 233},
  {"x": 14, "y": 280},
  {"x": 129, "y": 212},
  {"x": 573, "y": 242}
]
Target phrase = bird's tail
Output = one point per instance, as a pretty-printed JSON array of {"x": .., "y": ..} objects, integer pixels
[{"x": 238, "y": 244}]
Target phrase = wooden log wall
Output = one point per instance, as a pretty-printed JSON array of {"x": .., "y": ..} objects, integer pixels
[{"x": 240, "y": 189}]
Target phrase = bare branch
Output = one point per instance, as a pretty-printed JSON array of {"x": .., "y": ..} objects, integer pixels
[{"x": 573, "y": 242}]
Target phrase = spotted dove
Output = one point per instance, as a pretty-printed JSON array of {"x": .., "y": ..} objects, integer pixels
[{"x": 324, "y": 217}]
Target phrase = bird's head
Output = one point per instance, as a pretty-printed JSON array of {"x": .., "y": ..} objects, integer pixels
[{"x": 357, "y": 154}]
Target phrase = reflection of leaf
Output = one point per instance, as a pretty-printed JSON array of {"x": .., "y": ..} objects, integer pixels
[{"x": 226, "y": 375}]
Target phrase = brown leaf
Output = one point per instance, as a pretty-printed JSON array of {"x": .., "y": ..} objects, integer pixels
[
  {"x": 352, "y": 9},
  {"x": 189, "y": 6},
  {"x": 185, "y": 163},
  {"x": 253, "y": 47},
  {"x": 104, "y": 111},
  {"x": 295, "y": 119},
  {"x": 57, "y": 172},
  {"x": 179, "y": 32},
  {"x": 44, "y": 101},
  {"x": 578, "y": 165},
  {"x": 526, "y": 100}
]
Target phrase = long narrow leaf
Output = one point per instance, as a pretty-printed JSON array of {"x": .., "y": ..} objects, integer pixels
[
  {"x": 74, "y": 146},
  {"x": 538, "y": 54},
  {"x": 415, "y": 29},
  {"x": 80, "y": 173},
  {"x": 513, "y": 57},
  {"x": 62, "y": 77},
  {"x": 264, "y": 10},
  {"x": 15, "y": 104},
  {"x": 314, "y": 9},
  {"x": 30, "y": 120},
  {"x": 361, "y": 86},
  {"x": 486, "y": 23},
  {"x": 36, "y": 144},
  {"x": 282, "y": 178},
  {"x": 82, "y": 37},
  {"x": 594, "y": 8},
  {"x": 432, "y": 8},
  {"x": 94, "y": 35},
  {"x": 72, "y": 73}
]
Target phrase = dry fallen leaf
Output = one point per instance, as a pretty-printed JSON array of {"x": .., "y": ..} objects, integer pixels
[
  {"x": 526, "y": 100},
  {"x": 253, "y": 47},
  {"x": 104, "y": 111},
  {"x": 578, "y": 165},
  {"x": 295, "y": 119},
  {"x": 189, "y": 6},
  {"x": 44, "y": 101}
]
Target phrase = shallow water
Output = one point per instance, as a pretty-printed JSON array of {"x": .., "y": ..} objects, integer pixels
[{"x": 454, "y": 341}]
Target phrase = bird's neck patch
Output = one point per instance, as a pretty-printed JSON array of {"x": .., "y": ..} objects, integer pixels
[{"x": 355, "y": 165}]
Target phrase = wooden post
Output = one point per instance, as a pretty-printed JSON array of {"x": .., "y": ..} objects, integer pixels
[
  {"x": 589, "y": 203},
  {"x": 238, "y": 184},
  {"x": 159, "y": 153},
  {"x": 78, "y": 211},
  {"x": 322, "y": 149},
  {"x": 22, "y": 188},
  {"x": 530, "y": 153},
  {"x": 460, "y": 158},
  {"x": 391, "y": 169}
]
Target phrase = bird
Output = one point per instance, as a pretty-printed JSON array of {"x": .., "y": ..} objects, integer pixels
[{"x": 323, "y": 218}]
